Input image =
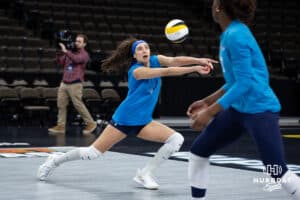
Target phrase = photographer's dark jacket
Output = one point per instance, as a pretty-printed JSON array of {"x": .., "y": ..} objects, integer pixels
[{"x": 74, "y": 65}]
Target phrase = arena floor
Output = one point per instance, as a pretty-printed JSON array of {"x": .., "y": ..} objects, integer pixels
[
  {"x": 111, "y": 178},
  {"x": 234, "y": 174}
]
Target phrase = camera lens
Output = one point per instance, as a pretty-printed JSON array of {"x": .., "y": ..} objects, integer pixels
[{"x": 67, "y": 38}]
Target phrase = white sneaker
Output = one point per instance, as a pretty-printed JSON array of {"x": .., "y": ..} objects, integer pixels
[
  {"x": 46, "y": 169},
  {"x": 146, "y": 180}
]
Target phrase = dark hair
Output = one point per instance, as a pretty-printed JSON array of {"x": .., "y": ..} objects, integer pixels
[
  {"x": 120, "y": 59},
  {"x": 243, "y": 10},
  {"x": 85, "y": 38}
]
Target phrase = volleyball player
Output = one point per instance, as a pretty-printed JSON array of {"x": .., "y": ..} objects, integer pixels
[
  {"x": 245, "y": 103},
  {"x": 134, "y": 114}
]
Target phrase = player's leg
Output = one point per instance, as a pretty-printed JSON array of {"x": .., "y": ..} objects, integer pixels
[
  {"x": 157, "y": 132},
  {"x": 105, "y": 141},
  {"x": 223, "y": 130},
  {"x": 264, "y": 128}
]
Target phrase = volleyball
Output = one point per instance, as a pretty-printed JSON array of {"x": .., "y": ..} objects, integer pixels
[{"x": 176, "y": 31}]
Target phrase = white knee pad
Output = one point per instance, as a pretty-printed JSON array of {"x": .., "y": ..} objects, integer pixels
[
  {"x": 89, "y": 153},
  {"x": 174, "y": 142},
  {"x": 198, "y": 171}
]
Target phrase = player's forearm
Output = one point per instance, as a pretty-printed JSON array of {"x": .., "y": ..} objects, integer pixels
[
  {"x": 147, "y": 73},
  {"x": 177, "y": 71},
  {"x": 214, "y": 96},
  {"x": 214, "y": 109},
  {"x": 185, "y": 60}
]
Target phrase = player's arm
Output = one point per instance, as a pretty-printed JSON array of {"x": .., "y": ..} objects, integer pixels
[
  {"x": 214, "y": 96},
  {"x": 242, "y": 71},
  {"x": 148, "y": 73},
  {"x": 184, "y": 60}
]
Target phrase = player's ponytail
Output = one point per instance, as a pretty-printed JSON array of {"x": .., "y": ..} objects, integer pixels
[{"x": 120, "y": 60}]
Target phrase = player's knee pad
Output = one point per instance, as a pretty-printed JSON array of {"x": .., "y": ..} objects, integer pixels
[
  {"x": 174, "y": 142},
  {"x": 89, "y": 153}
]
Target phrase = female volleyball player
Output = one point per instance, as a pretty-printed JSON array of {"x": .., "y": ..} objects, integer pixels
[
  {"x": 134, "y": 114},
  {"x": 245, "y": 103}
]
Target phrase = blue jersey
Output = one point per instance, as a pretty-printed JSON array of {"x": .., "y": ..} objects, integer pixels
[
  {"x": 142, "y": 96},
  {"x": 245, "y": 71}
]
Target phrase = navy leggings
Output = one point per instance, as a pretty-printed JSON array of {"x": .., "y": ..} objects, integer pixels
[{"x": 230, "y": 124}]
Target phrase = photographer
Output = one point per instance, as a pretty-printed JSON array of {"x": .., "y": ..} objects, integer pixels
[{"x": 74, "y": 63}]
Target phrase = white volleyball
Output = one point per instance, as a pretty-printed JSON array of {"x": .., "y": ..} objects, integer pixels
[{"x": 176, "y": 31}]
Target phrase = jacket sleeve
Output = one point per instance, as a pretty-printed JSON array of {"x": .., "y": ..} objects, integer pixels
[
  {"x": 60, "y": 58},
  {"x": 240, "y": 56}
]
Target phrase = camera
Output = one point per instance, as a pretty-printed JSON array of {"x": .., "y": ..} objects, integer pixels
[{"x": 67, "y": 38}]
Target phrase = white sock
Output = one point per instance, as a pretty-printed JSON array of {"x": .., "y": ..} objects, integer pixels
[
  {"x": 82, "y": 153},
  {"x": 291, "y": 184},
  {"x": 172, "y": 144},
  {"x": 198, "y": 172}
]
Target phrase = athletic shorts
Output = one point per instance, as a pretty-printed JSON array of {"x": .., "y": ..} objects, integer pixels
[{"x": 128, "y": 130}]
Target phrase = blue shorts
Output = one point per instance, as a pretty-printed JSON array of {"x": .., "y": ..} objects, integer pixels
[{"x": 127, "y": 130}]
